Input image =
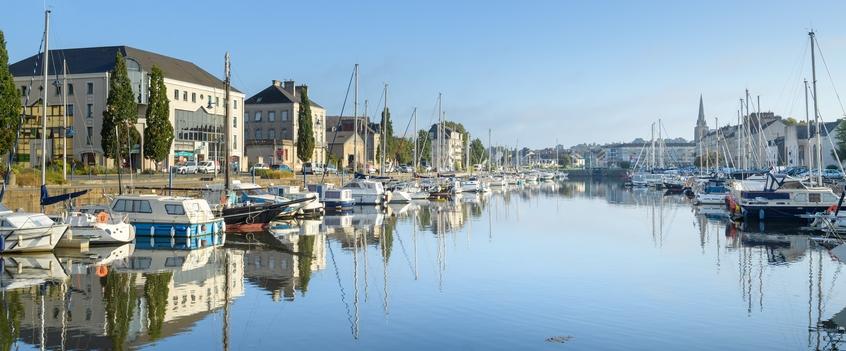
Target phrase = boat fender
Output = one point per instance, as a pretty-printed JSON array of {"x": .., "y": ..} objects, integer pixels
[
  {"x": 102, "y": 217},
  {"x": 172, "y": 231},
  {"x": 831, "y": 209},
  {"x": 102, "y": 271}
]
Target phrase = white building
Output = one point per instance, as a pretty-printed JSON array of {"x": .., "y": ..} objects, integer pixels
[{"x": 196, "y": 101}]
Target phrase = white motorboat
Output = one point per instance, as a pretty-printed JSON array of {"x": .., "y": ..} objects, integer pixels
[
  {"x": 28, "y": 231},
  {"x": 293, "y": 192},
  {"x": 99, "y": 226},
  {"x": 24, "y": 271},
  {"x": 171, "y": 216},
  {"x": 368, "y": 192},
  {"x": 400, "y": 197},
  {"x": 470, "y": 185}
]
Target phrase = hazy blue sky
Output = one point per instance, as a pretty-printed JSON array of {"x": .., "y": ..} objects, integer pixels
[{"x": 586, "y": 71}]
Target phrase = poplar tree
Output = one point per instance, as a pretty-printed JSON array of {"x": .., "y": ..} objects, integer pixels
[
  {"x": 158, "y": 133},
  {"x": 10, "y": 102},
  {"x": 305, "y": 132},
  {"x": 121, "y": 111}
]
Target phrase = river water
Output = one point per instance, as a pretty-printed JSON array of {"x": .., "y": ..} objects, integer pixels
[{"x": 555, "y": 266}]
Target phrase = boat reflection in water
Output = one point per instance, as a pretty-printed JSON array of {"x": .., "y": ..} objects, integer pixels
[{"x": 359, "y": 278}]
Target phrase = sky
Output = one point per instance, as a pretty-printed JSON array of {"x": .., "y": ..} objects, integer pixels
[{"x": 532, "y": 72}]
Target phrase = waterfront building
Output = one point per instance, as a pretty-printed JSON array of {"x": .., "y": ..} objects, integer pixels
[
  {"x": 675, "y": 153},
  {"x": 453, "y": 150},
  {"x": 271, "y": 126},
  {"x": 195, "y": 96},
  {"x": 340, "y": 131},
  {"x": 701, "y": 125}
]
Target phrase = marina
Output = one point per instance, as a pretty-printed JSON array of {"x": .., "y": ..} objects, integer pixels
[{"x": 369, "y": 278}]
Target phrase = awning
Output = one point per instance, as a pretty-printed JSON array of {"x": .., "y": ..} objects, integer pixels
[{"x": 184, "y": 154}]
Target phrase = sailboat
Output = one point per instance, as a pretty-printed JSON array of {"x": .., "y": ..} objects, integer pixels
[{"x": 31, "y": 231}]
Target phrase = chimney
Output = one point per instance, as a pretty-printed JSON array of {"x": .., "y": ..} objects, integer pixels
[
  {"x": 277, "y": 83},
  {"x": 300, "y": 89},
  {"x": 289, "y": 87}
]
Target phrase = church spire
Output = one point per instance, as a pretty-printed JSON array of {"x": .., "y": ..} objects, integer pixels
[{"x": 701, "y": 128}]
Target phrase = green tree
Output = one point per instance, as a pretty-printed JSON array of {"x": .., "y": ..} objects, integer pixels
[
  {"x": 121, "y": 111},
  {"x": 10, "y": 102},
  {"x": 305, "y": 132},
  {"x": 388, "y": 134},
  {"x": 840, "y": 136},
  {"x": 11, "y": 312},
  {"x": 478, "y": 153},
  {"x": 158, "y": 133}
]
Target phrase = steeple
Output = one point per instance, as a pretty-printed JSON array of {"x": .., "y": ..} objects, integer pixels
[{"x": 701, "y": 126}]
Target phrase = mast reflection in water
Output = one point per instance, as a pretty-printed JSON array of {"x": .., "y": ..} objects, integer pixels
[{"x": 589, "y": 263}]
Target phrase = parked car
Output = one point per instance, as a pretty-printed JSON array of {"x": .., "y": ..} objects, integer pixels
[
  {"x": 312, "y": 168},
  {"x": 330, "y": 169},
  {"x": 281, "y": 167},
  {"x": 189, "y": 167},
  {"x": 258, "y": 166},
  {"x": 208, "y": 167},
  {"x": 371, "y": 169},
  {"x": 405, "y": 169}
]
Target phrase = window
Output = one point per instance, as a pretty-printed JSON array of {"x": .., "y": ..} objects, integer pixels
[
  {"x": 174, "y": 209},
  {"x": 176, "y": 94},
  {"x": 89, "y": 112},
  {"x": 235, "y": 141},
  {"x": 120, "y": 206},
  {"x": 271, "y": 116},
  {"x": 284, "y": 115},
  {"x": 234, "y": 122},
  {"x": 234, "y": 104},
  {"x": 142, "y": 206},
  {"x": 90, "y": 131},
  {"x": 814, "y": 197},
  {"x": 257, "y": 134},
  {"x": 90, "y": 88},
  {"x": 193, "y": 97},
  {"x": 184, "y": 96},
  {"x": 246, "y": 116},
  {"x": 271, "y": 133},
  {"x": 217, "y": 100},
  {"x": 201, "y": 97},
  {"x": 258, "y": 116},
  {"x": 23, "y": 90},
  {"x": 70, "y": 89},
  {"x": 70, "y": 109},
  {"x": 58, "y": 89}
]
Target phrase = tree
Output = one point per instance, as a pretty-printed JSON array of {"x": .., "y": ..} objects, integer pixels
[
  {"x": 10, "y": 102},
  {"x": 840, "y": 136},
  {"x": 158, "y": 134},
  {"x": 388, "y": 133},
  {"x": 478, "y": 153},
  {"x": 305, "y": 133},
  {"x": 121, "y": 111}
]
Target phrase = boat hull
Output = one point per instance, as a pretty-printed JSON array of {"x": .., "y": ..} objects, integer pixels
[
  {"x": 179, "y": 230},
  {"x": 779, "y": 212},
  {"x": 32, "y": 239}
]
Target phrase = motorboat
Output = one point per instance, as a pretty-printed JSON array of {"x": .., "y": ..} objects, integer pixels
[
  {"x": 28, "y": 231},
  {"x": 313, "y": 207},
  {"x": 470, "y": 185},
  {"x": 333, "y": 199},
  {"x": 168, "y": 216},
  {"x": 400, "y": 197},
  {"x": 98, "y": 225},
  {"x": 785, "y": 198},
  {"x": 368, "y": 192},
  {"x": 713, "y": 192}
]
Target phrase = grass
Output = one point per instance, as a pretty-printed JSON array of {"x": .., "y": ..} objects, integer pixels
[{"x": 273, "y": 174}]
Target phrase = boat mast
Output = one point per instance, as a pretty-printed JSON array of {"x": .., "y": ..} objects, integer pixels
[
  {"x": 64, "y": 120},
  {"x": 717, "y": 138},
  {"x": 226, "y": 82},
  {"x": 355, "y": 122},
  {"x": 385, "y": 135},
  {"x": 366, "y": 128},
  {"x": 808, "y": 129},
  {"x": 416, "y": 140},
  {"x": 816, "y": 108},
  {"x": 44, "y": 102}
]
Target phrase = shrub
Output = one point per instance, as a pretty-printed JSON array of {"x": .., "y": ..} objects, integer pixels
[{"x": 273, "y": 174}]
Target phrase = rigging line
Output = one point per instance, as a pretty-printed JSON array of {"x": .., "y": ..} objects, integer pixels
[
  {"x": 796, "y": 69},
  {"x": 407, "y": 259},
  {"x": 831, "y": 80},
  {"x": 408, "y": 125},
  {"x": 828, "y": 136},
  {"x": 340, "y": 285},
  {"x": 338, "y": 125}
]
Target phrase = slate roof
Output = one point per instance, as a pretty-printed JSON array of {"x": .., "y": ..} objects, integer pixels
[
  {"x": 102, "y": 59},
  {"x": 275, "y": 94}
]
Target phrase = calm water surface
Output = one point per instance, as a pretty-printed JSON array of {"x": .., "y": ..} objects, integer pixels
[{"x": 555, "y": 266}]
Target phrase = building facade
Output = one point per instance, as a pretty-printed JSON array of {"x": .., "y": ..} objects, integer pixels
[
  {"x": 195, "y": 98},
  {"x": 452, "y": 154},
  {"x": 271, "y": 127},
  {"x": 339, "y": 128}
]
